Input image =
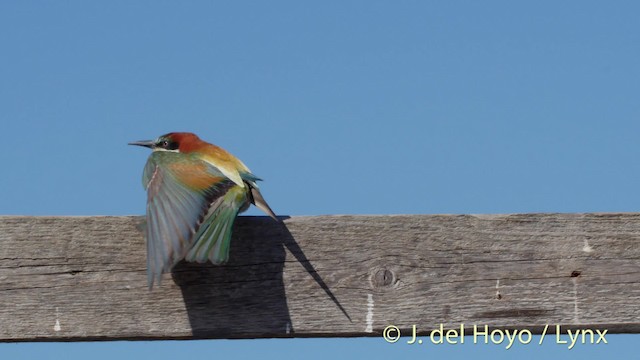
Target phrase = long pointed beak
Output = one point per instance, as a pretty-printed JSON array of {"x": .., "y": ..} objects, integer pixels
[{"x": 145, "y": 143}]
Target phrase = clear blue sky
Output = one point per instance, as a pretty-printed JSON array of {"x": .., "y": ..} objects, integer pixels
[{"x": 348, "y": 107}]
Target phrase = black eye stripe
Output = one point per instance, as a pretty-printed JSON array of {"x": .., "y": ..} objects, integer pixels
[
  {"x": 172, "y": 146},
  {"x": 166, "y": 144}
]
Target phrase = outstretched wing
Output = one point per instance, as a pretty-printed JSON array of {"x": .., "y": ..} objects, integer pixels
[{"x": 180, "y": 189}]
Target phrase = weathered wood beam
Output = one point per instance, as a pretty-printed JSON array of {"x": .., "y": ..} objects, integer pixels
[{"x": 83, "y": 278}]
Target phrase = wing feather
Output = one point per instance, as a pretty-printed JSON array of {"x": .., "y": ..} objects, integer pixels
[
  {"x": 214, "y": 236},
  {"x": 180, "y": 191}
]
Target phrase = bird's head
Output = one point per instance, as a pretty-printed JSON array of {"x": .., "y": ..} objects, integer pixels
[{"x": 176, "y": 141}]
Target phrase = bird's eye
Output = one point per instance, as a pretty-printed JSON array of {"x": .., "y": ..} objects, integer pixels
[{"x": 165, "y": 144}]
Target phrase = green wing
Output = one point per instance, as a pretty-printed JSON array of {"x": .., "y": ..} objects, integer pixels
[
  {"x": 213, "y": 239},
  {"x": 180, "y": 192}
]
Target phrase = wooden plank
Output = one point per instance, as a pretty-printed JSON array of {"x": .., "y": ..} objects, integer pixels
[{"x": 83, "y": 278}]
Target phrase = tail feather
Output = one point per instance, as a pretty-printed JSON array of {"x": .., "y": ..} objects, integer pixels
[
  {"x": 255, "y": 196},
  {"x": 260, "y": 203}
]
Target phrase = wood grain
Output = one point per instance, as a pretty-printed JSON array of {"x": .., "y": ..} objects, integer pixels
[{"x": 83, "y": 278}]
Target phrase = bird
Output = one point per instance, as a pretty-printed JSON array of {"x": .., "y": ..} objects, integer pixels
[{"x": 195, "y": 190}]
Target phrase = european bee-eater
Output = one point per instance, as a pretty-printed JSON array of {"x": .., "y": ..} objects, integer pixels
[{"x": 195, "y": 190}]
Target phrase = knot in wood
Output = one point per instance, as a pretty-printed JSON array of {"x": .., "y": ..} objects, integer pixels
[{"x": 382, "y": 278}]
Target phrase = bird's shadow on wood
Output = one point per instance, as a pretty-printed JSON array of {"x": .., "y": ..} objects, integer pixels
[{"x": 246, "y": 297}]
